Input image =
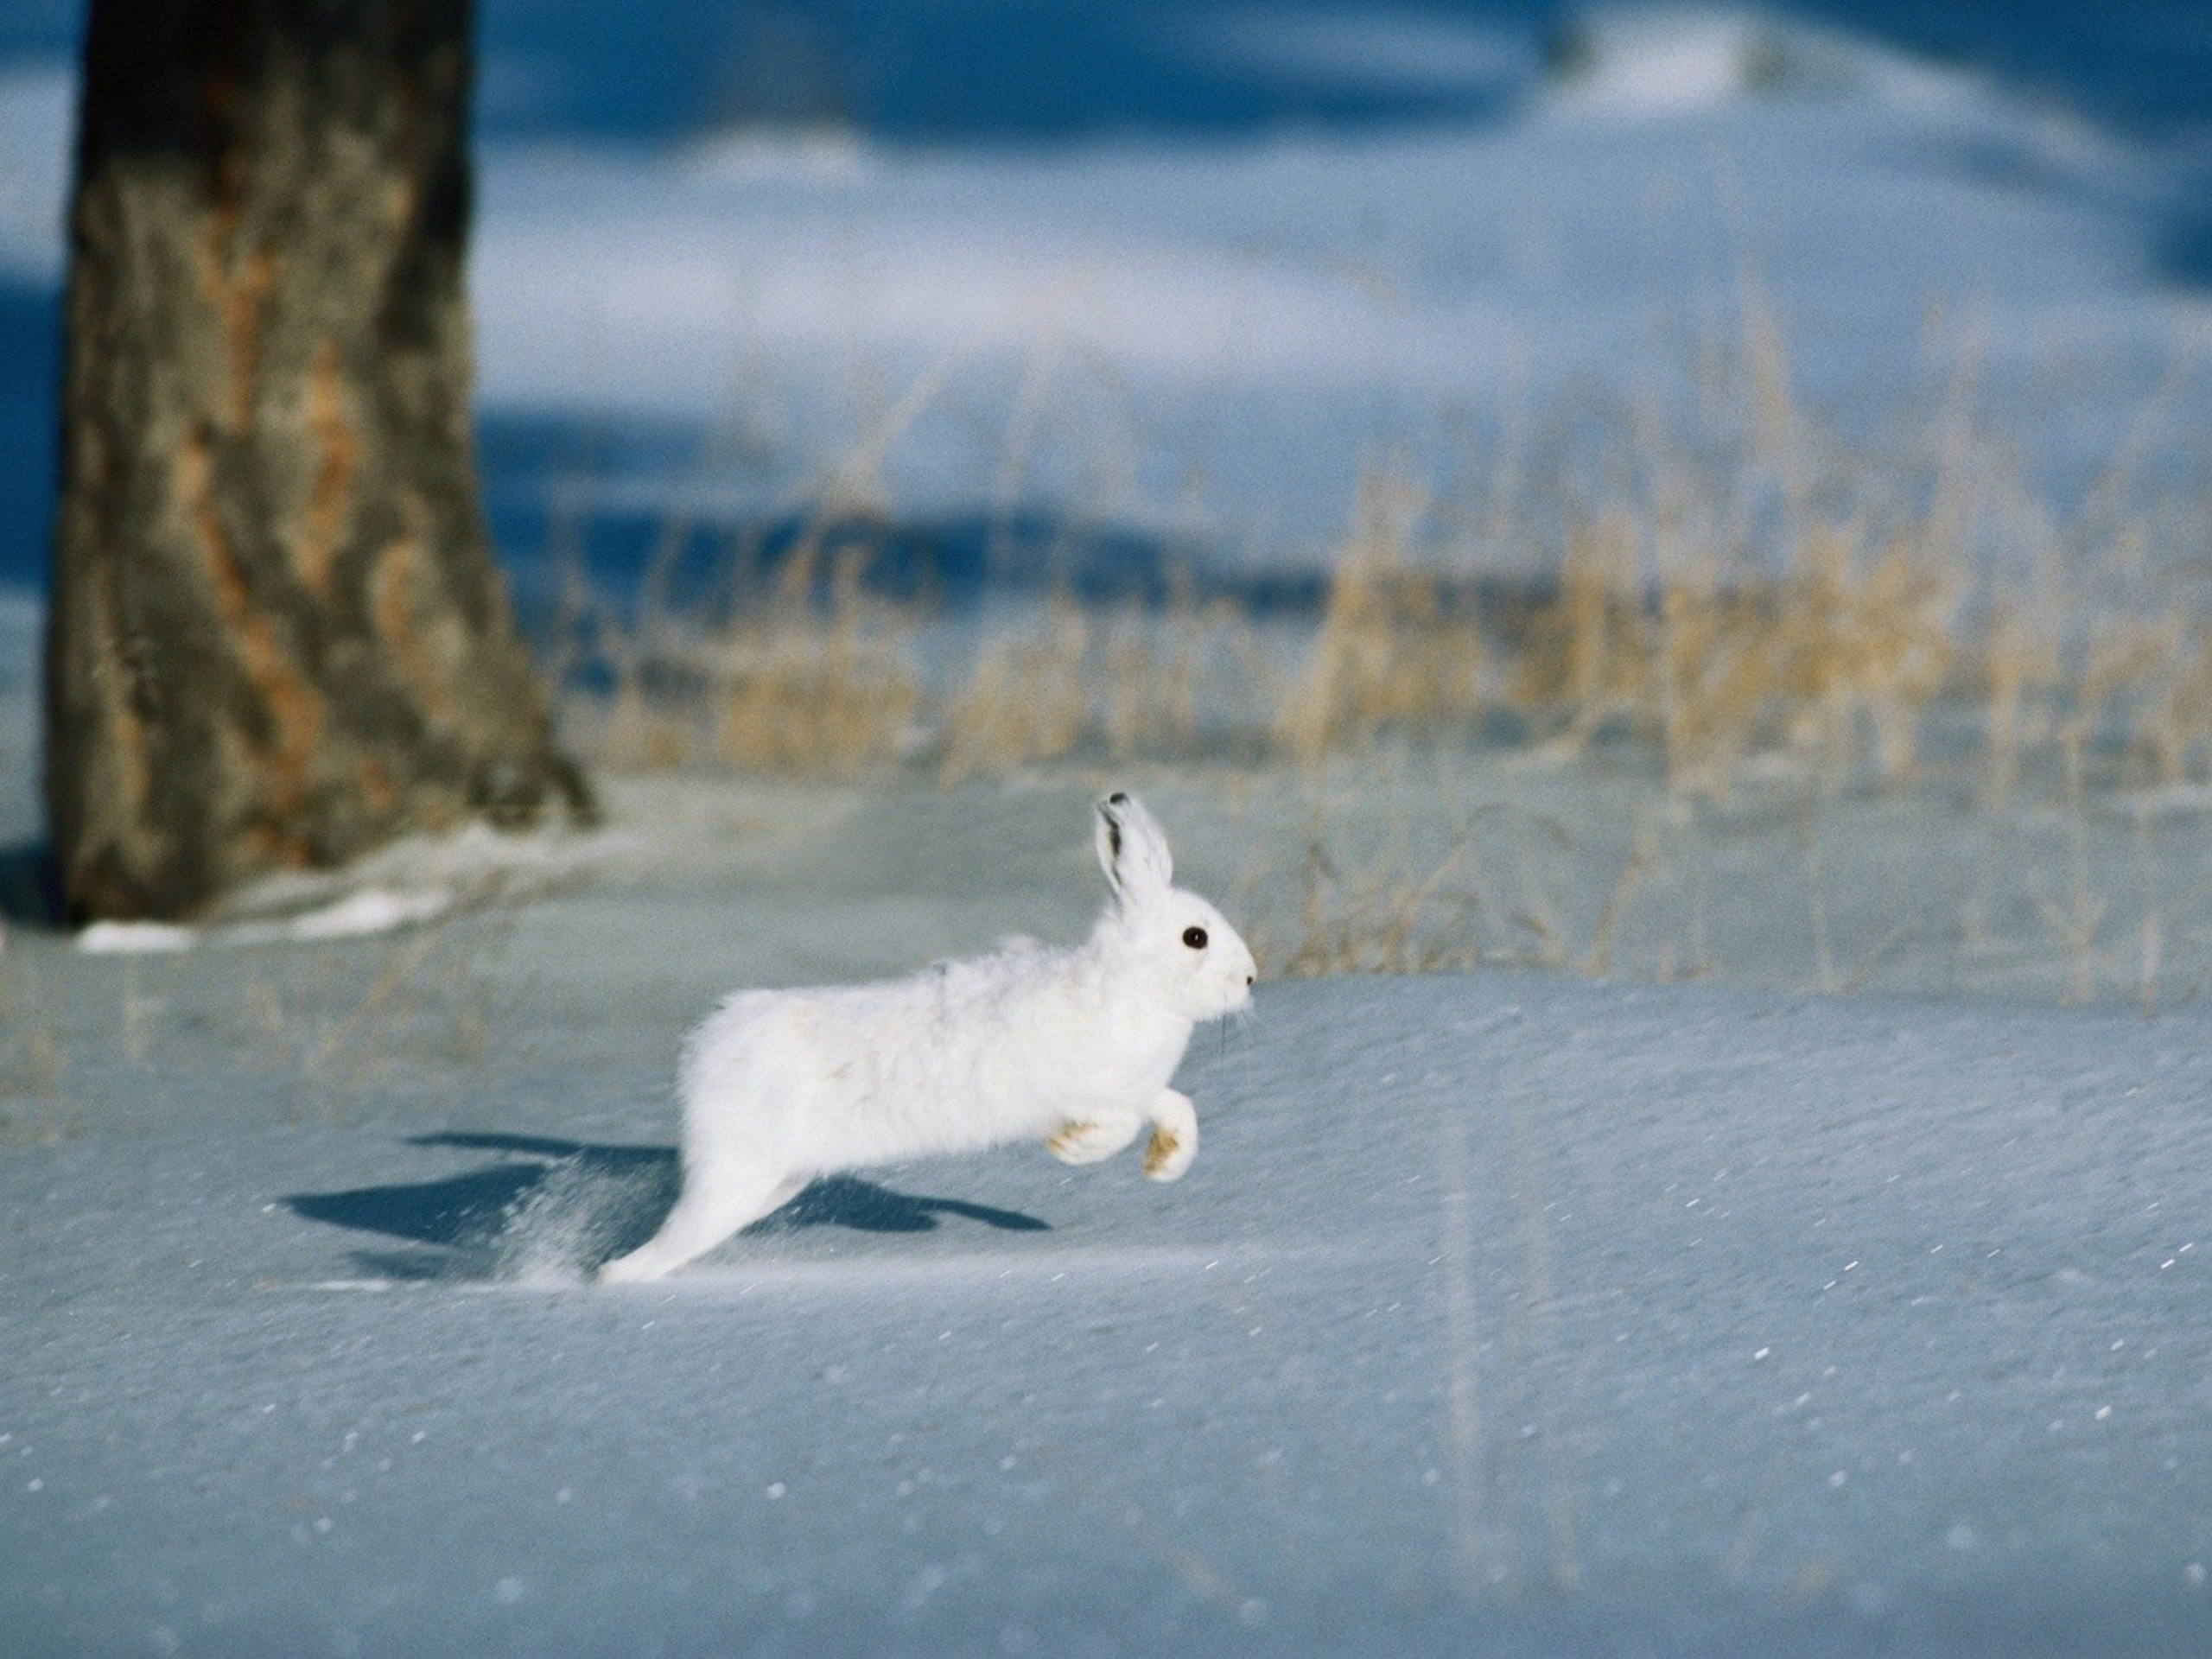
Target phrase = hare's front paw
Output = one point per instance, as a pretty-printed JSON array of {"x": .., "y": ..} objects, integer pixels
[
  {"x": 1175, "y": 1138},
  {"x": 1092, "y": 1140}
]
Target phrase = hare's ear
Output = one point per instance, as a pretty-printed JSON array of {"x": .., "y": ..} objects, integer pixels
[{"x": 1131, "y": 849}]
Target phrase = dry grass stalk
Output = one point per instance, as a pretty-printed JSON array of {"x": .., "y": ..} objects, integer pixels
[
  {"x": 1141, "y": 683},
  {"x": 2173, "y": 731},
  {"x": 31, "y": 1058},
  {"x": 835, "y": 697},
  {"x": 1643, "y": 859},
  {"x": 1585, "y": 652},
  {"x": 1027, "y": 701},
  {"x": 1397, "y": 914},
  {"x": 641, "y": 733},
  {"x": 2077, "y": 919},
  {"x": 1847, "y": 641},
  {"x": 1865, "y": 636},
  {"x": 2020, "y": 670},
  {"x": 796, "y": 681},
  {"x": 1389, "y": 650},
  {"x": 1163, "y": 675},
  {"x": 428, "y": 1001},
  {"x": 1380, "y": 921},
  {"x": 2151, "y": 931},
  {"x": 1713, "y": 670}
]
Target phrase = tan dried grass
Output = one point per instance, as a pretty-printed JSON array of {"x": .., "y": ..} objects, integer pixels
[
  {"x": 1391, "y": 650},
  {"x": 1028, "y": 699},
  {"x": 1827, "y": 653}
]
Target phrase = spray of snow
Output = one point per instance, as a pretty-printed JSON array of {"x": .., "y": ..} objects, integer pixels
[{"x": 577, "y": 1215}]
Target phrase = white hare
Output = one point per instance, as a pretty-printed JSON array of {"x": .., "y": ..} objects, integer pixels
[{"x": 1074, "y": 1046}]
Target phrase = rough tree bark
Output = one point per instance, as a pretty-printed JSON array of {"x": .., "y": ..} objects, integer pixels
[{"x": 276, "y": 635}]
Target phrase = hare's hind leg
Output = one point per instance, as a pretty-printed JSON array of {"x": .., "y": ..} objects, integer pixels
[{"x": 714, "y": 1206}]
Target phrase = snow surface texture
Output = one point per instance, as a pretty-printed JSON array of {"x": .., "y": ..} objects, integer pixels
[
  {"x": 1507, "y": 1309},
  {"x": 1507, "y": 1312}
]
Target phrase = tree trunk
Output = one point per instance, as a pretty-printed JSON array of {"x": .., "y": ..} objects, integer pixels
[{"x": 276, "y": 635}]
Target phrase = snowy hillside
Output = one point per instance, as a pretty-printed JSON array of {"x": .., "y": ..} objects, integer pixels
[
  {"x": 1204, "y": 341},
  {"x": 1198, "y": 333}
]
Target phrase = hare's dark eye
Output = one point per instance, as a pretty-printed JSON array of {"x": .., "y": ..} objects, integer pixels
[{"x": 1195, "y": 938}]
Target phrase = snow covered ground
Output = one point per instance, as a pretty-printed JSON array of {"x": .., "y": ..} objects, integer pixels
[
  {"x": 1509, "y": 1309},
  {"x": 1540, "y": 1311},
  {"x": 1506, "y": 1312}
]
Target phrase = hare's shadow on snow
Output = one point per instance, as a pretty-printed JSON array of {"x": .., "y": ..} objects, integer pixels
[{"x": 565, "y": 1207}]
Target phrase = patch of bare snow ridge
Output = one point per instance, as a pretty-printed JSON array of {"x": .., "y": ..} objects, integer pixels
[
  {"x": 652, "y": 829},
  {"x": 1642, "y": 62},
  {"x": 357, "y": 915},
  {"x": 417, "y": 878}
]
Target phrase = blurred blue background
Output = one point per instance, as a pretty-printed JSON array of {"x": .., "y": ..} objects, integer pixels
[{"x": 1016, "y": 78}]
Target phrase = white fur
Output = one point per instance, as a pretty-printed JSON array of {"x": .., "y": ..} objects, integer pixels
[{"x": 1073, "y": 1046}]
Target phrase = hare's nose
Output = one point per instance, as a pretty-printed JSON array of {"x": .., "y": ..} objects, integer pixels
[{"x": 1248, "y": 979}]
